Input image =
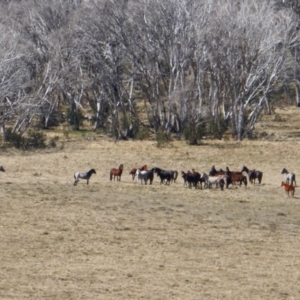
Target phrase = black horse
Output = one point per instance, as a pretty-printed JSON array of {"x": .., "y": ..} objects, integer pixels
[
  {"x": 191, "y": 179},
  {"x": 214, "y": 172},
  {"x": 164, "y": 175},
  {"x": 253, "y": 175}
]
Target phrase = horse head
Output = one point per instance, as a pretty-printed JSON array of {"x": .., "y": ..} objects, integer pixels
[
  {"x": 144, "y": 168},
  {"x": 245, "y": 169},
  {"x": 284, "y": 171}
]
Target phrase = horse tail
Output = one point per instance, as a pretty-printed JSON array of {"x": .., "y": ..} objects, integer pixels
[
  {"x": 175, "y": 175},
  {"x": 110, "y": 176}
]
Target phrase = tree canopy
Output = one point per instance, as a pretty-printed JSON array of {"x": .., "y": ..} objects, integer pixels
[{"x": 183, "y": 63}]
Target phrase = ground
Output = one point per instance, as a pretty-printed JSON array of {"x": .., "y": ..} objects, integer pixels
[{"x": 123, "y": 240}]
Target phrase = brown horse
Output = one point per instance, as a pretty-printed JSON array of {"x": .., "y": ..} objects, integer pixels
[
  {"x": 116, "y": 173},
  {"x": 133, "y": 171},
  {"x": 288, "y": 188},
  {"x": 234, "y": 177}
]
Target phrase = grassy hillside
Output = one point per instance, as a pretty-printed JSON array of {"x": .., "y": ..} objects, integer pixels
[{"x": 122, "y": 240}]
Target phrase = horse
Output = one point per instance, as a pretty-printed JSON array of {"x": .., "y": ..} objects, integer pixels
[
  {"x": 214, "y": 172},
  {"x": 288, "y": 188},
  {"x": 234, "y": 176},
  {"x": 116, "y": 173},
  {"x": 184, "y": 177},
  {"x": 289, "y": 177},
  {"x": 145, "y": 176},
  {"x": 218, "y": 181},
  {"x": 253, "y": 175},
  {"x": 191, "y": 178},
  {"x": 202, "y": 178},
  {"x": 167, "y": 175},
  {"x": 133, "y": 171},
  {"x": 81, "y": 175},
  {"x": 163, "y": 175}
]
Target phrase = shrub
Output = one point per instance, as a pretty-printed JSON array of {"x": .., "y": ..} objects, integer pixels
[
  {"x": 163, "y": 138},
  {"x": 33, "y": 140},
  {"x": 52, "y": 142},
  {"x": 75, "y": 118},
  {"x": 215, "y": 129},
  {"x": 193, "y": 132},
  {"x": 142, "y": 134},
  {"x": 14, "y": 139}
]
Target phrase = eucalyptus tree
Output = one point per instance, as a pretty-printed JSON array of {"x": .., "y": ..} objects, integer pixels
[
  {"x": 101, "y": 56},
  {"x": 16, "y": 105},
  {"x": 247, "y": 48}
]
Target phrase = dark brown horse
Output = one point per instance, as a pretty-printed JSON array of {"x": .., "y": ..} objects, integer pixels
[
  {"x": 116, "y": 173},
  {"x": 253, "y": 175},
  {"x": 133, "y": 171}
]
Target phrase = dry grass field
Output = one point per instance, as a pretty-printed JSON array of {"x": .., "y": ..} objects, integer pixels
[{"x": 121, "y": 240}]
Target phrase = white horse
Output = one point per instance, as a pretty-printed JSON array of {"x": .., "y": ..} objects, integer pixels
[
  {"x": 81, "y": 175},
  {"x": 218, "y": 180},
  {"x": 141, "y": 175},
  {"x": 290, "y": 178}
]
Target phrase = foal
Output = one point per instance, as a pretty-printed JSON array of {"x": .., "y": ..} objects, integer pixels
[{"x": 288, "y": 188}]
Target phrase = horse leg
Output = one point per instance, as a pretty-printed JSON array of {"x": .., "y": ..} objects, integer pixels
[{"x": 87, "y": 181}]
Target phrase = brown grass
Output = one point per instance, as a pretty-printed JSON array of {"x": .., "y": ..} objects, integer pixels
[{"x": 112, "y": 240}]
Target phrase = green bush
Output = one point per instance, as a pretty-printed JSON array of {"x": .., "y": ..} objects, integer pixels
[
  {"x": 142, "y": 134},
  {"x": 52, "y": 142},
  {"x": 193, "y": 132},
  {"x": 215, "y": 129},
  {"x": 33, "y": 140},
  {"x": 14, "y": 139},
  {"x": 75, "y": 118},
  {"x": 163, "y": 139}
]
